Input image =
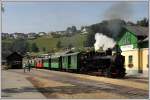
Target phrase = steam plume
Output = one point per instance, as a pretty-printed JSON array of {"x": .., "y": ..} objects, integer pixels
[
  {"x": 121, "y": 10},
  {"x": 116, "y": 14},
  {"x": 103, "y": 41}
]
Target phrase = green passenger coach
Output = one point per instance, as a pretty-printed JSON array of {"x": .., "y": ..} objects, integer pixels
[
  {"x": 46, "y": 63},
  {"x": 56, "y": 63},
  {"x": 73, "y": 61},
  {"x": 32, "y": 63},
  {"x": 70, "y": 61},
  {"x": 64, "y": 62}
]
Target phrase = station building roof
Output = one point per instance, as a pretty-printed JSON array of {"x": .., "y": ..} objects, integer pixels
[{"x": 138, "y": 30}]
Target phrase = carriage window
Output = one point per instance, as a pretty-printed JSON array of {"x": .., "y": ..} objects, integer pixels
[
  {"x": 130, "y": 59},
  {"x": 46, "y": 60},
  {"x": 54, "y": 59},
  {"x": 63, "y": 59}
]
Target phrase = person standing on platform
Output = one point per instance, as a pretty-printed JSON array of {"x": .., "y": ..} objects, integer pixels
[
  {"x": 24, "y": 67},
  {"x": 29, "y": 65}
]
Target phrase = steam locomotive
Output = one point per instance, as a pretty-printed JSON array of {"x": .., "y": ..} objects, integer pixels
[
  {"x": 84, "y": 62},
  {"x": 104, "y": 62}
]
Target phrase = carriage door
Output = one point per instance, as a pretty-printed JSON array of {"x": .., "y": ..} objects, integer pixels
[
  {"x": 69, "y": 61},
  {"x": 60, "y": 62},
  {"x": 49, "y": 63}
]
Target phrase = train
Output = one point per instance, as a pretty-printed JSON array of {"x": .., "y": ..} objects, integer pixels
[{"x": 106, "y": 63}]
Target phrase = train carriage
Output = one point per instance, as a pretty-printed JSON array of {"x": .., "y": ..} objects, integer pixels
[
  {"x": 46, "y": 63},
  {"x": 56, "y": 63},
  {"x": 73, "y": 61},
  {"x": 32, "y": 63},
  {"x": 65, "y": 62},
  {"x": 70, "y": 61},
  {"x": 39, "y": 63}
]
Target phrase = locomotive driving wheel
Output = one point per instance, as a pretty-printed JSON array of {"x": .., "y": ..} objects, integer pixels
[
  {"x": 83, "y": 70},
  {"x": 122, "y": 73}
]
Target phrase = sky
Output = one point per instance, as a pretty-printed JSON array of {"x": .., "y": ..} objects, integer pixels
[{"x": 57, "y": 16}]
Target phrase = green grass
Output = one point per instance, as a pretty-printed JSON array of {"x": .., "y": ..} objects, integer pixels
[
  {"x": 44, "y": 42},
  {"x": 50, "y": 43},
  {"x": 76, "y": 40},
  {"x": 8, "y": 40}
]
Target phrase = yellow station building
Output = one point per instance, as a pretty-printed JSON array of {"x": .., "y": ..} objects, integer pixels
[{"x": 134, "y": 45}]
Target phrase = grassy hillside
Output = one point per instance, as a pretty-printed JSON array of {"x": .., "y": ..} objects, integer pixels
[
  {"x": 50, "y": 43},
  {"x": 7, "y": 40},
  {"x": 41, "y": 42}
]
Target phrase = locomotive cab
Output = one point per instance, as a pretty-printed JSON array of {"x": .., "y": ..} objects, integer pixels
[{"x": 117, "y": 64}]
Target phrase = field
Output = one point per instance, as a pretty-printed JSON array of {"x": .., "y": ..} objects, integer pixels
[{"x": 50, "y": 43}]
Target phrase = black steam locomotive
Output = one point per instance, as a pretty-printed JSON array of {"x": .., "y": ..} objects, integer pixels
[
  {"x": 104, "y": 62},
  {"x": 86, "y": 62}
]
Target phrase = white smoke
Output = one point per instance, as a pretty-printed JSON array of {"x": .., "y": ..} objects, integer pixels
[{"x": 103, "y": 41}]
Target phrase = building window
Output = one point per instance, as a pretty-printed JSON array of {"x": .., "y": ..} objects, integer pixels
[{"x": 130, "y": 59}]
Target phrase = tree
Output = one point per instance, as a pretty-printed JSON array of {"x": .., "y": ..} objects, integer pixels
[
  {"x": 21, "y": 46},
  {"x": 6, "y": 49},
  {"x": 44, "y": 49},
  {"x": 59, "y": 44},
  {"x": 82, "y": 27},
  {"x": 89, "y": 42},
  {"x": 54, "y": 35},
  {"x": 74, "y": 29},
  {"x": 70, "y": 46},
  {"x": 71, "y": 30},
  {"x": 143, "y": 22},
  {"x": 34, "y": 47}
]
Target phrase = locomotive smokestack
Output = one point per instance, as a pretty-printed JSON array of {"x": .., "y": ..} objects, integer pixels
[
  {"x": 104, "y": 42},
  {"x": 117, "y": 49}
]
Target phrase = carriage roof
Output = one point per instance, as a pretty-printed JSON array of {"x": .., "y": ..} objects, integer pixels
[{"x": 70, "y": 54}]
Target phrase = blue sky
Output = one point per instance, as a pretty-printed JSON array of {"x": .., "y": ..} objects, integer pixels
[{"x": 55, "y": 16}]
